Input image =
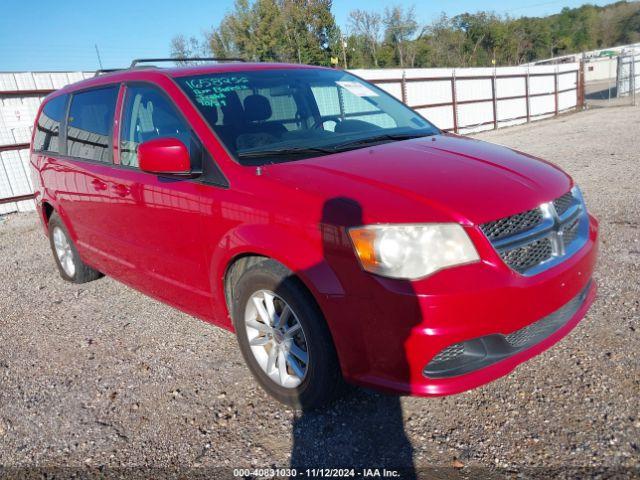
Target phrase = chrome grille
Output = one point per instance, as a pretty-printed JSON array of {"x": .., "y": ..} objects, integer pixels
[
  {"x": 523, "y": 258},
  {"x": 508, "y": 226},
  {"x": 570, "y": 232},
  {"x": 535, "y": 240},
  {"x": 563, "y": 203}
]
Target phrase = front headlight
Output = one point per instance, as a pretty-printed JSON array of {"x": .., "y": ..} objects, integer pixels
[{"x": 412, "y": 251}]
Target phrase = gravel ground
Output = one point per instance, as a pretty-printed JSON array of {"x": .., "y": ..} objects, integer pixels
[{"x": 98, "y": 375}]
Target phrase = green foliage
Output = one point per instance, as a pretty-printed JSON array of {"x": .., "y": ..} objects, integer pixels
[
  {"x": 302, "y": 31},
  {"x": 305, "y": 31}
]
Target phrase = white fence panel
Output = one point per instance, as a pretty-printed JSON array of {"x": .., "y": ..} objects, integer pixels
[
  {"x": 429, "y": 92},
  {"x": 21, "y": 94},
  {"x": 511, "y": 86},
  {"x": 475, "y": 117},
  {"x": 567, "y": 80},
  {"x": 442, "y": 117},
  {"x": 15, "y": 180},
  {"x": 541, "y": 84},
  {"x": 394, "y": 89},
  {"x": 389, "y": 80},
  {"x": 552, "y": 89},
  {"x": 542, "y": 105},
  {"x": 567, "y": 100},
  {"x": 477, "y": 89},
  {"x": 512, "y": 109}
]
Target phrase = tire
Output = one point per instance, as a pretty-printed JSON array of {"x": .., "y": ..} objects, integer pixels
[
  {"x": 322, "y": 380},
  {"x": 71, "y": 267}
]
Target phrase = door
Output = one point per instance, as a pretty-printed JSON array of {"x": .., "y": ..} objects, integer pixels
[
  {"x": 81, "y": 171},
  {"x": 156, "y": 221}
]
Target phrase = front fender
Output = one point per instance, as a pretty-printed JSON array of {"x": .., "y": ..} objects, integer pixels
[{"x": 299, "y": 252}]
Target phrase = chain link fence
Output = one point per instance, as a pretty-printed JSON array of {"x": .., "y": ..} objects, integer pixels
[{"x": 612, "y": 82}]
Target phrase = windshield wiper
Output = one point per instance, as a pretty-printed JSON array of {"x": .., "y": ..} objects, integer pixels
[
  {"x": 278, "y": 152},
  {"x": 377, "y": 139},
  {"x": 281, "y": 152}
]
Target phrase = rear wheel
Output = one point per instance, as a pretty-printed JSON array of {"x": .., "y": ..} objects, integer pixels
[
  {"x": 284, "y": 338},
  {"x": 70, "y": 266}
]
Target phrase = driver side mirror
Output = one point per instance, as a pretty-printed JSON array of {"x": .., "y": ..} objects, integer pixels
[{"x": 164, "y": 156}]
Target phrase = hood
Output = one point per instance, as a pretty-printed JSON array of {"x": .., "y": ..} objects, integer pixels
[{"x": 444, "y": 177}]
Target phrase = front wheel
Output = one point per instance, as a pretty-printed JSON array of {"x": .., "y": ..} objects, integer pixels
[
  {"x": 284, "y": 338},
  {"x": 70, "y": 265}
]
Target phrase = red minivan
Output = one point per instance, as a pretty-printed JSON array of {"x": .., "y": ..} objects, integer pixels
[{"x": 340, "y": 234}]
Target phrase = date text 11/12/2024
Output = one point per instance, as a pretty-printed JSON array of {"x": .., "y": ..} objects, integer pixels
[{"x": 316, "y": 473}]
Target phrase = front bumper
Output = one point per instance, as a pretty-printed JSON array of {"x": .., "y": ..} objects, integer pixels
[
  {"x": 406, "y": 324},
  {"x": 481, "y": 352}
]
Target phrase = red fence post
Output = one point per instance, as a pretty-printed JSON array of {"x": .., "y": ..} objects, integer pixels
[
  {"x": 495, "y": 100},
  {"x": 580, "y": 85},
  {"x": 403, "y": 87},
  {"x": 526, "y": 95},
  {"x": 454, "y": 101},
  {"x": 555, "y": 90}
]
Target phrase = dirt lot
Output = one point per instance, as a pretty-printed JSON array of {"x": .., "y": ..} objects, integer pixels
[{"x": 98, "y": 375}]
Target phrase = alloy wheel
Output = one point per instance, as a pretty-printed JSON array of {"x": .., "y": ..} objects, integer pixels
[
  {"x": 276, "y": 338},
  {"x": 64, "y": 251}
]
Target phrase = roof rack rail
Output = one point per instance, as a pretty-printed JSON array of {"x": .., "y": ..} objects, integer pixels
[
  {"x": 137, "y": 61},
  {"x": 107, "y": 70}
]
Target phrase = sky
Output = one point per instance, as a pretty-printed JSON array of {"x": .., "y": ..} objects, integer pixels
[{"x": 63, "y": 34}]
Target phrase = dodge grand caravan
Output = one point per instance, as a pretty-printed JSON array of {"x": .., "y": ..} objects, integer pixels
[{"x": 338, "y": 233}]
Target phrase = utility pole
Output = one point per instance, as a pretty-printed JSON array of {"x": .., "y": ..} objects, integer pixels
[
  {"x": 344, "y": 52},
  {"x": 98, "y": 54}
]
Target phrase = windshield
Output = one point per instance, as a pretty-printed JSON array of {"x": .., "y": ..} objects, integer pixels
[{"x": 267, "y": 116}]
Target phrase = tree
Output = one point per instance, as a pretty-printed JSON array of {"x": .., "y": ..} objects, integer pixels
[
  {"x": 400, "y": 27},
  {"x": 182, "y": 47},
  {"x": 301, "y": 31},
  {"x": 367, "y": 25},
  {"x": 305, "y": 31},
  {"x": 445, "y": 44},
  {"x": 311, "y": 31}
]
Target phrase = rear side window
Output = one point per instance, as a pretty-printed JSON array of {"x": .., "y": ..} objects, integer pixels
[
  {"x": 47, "y": 134},
  {"x": 89, "y": 124},
  {"x": 148, "y": 114}
]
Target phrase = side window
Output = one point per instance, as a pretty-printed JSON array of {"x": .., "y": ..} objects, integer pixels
[
  {"x": 89, "y": 124},
  {"x": 47, "y": 134},
  {"x": 148, "y": 114}
]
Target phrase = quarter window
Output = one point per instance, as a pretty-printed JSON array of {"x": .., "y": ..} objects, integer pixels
[
  {"x": 47, "y": 134},
  {"x": 89, "y": 124},
  {"x": 148, "y": 114}
]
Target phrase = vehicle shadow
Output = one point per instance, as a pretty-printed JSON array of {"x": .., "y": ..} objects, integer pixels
[{"x": 363, "y": 428}]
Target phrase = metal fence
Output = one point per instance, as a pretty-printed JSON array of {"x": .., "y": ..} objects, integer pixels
[
  {"x": 473, "y": 99},
  {"x": 459, "y": 100},
  {"x": 612, "y": 81},
  {"x": 20, "y": 96},
  {"x": 628, "y": 75}
]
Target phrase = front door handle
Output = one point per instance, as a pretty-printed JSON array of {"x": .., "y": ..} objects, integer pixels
[{"x": 121, "y": 190}]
